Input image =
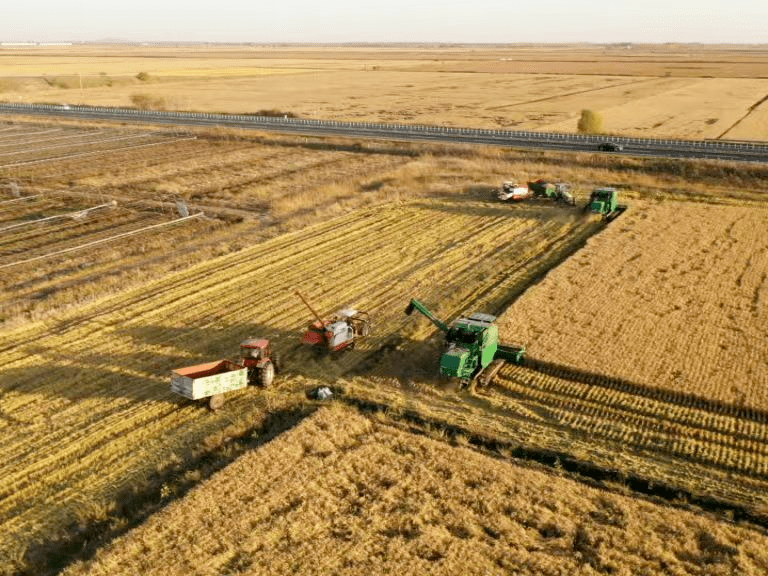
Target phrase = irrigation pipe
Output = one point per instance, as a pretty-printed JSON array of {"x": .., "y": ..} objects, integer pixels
[
  {"x": 66, "y": 157},
  {"x": 102, "y": 241},
  {"x": 51, "y": 139},
  {"x": 70, "y": 144},
  {"x": 20, "y": 199},
  {"x": 17, "y": 134},
  {"x": 66, "y": 215}
]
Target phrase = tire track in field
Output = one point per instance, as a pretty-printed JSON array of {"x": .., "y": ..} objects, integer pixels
[{"x": 575, "y": 93}]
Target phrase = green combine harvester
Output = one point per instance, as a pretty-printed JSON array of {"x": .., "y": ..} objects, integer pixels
[
  {"x": 605, "y": 201},
  {"x": 472, "y": 348},
  {"x": 557, "y": 191}
]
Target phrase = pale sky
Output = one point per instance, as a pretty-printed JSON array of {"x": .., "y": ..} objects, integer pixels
[{"x": 707, "y": 21}]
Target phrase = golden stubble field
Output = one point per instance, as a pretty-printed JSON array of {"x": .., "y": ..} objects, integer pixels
[
  {"x": 658, "y": 91},
  {"x": 87, "y": 423},
  {"x": 91, "y": 386},
  {"x": 345, "y": 494},
  {"x": 87, "y": 416}
]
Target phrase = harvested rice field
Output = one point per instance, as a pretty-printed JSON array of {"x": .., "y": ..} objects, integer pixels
[
  {"x": 664, "y": 91},
  {"x": 126, "y": 253},
  {"x": 345, "y": 494}
]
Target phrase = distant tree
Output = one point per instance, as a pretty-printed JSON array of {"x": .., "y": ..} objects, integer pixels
[
  {"x": 590, "y": 122},
  {"x": 143, "y": 76}
]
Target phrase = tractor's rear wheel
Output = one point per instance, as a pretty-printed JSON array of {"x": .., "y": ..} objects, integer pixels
[
  {"x": 266, "y": 374},
  {"x": 216, "y": 402}
]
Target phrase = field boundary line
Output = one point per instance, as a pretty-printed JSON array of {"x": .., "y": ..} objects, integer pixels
[
  {"x": 31, "y": 133},
  {"x": 751, "y": 109},
  {"x": 46, "y": 140}
]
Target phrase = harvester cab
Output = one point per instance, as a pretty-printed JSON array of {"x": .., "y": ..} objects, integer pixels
[
  {"x": 605, "y": 201},
  {"x": 339, "y": 332},
  {"x": 472, "y": 345}
]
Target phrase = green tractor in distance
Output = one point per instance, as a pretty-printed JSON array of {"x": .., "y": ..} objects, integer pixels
[
  {"x": 472, "y": 346},
  {"x": 557, "y": 191},
  {"x": 605, "y": 201}
]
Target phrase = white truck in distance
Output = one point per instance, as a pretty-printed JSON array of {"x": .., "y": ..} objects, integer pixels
[{"x": 513, "y": 191}]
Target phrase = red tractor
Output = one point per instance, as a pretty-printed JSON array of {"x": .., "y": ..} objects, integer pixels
[
  {"x": 337, "y": 333},
  {"x": 257, "y": 364},
  {"x": 262, "y": 362}
]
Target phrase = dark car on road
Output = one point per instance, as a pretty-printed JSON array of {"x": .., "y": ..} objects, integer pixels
[{"x": 610, "y": 147}]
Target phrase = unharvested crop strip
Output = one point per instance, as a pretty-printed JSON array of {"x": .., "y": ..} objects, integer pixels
[
  {"x": 578, "y": 469},
  {"x": 620, "y": 421}
]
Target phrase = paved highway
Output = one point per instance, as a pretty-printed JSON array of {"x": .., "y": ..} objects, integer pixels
[{"x": 717, "y": 150}]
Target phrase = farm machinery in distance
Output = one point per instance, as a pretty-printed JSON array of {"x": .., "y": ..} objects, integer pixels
[
  {"x": 605, "y": 201},
  {"x": 472, "y": 350},
  {"x": 557, "y": 191}
]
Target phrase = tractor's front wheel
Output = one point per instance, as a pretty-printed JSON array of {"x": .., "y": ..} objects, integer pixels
[{"x": 266, "y": 374}]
